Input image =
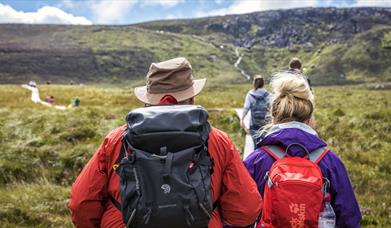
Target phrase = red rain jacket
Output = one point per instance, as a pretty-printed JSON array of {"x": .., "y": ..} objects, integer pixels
[{"x": 237, "y": 193}]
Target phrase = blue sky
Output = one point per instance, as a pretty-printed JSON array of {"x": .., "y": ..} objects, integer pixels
[{"x": 134, "y": 11}]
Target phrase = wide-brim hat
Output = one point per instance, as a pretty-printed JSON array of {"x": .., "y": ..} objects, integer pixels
[{"x": 172, "y": 77}]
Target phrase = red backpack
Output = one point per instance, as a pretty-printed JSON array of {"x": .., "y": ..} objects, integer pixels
[{"x": 295, "y": 189}]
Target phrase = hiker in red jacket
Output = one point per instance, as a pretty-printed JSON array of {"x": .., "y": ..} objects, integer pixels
[{"x": 233, "y": 190}]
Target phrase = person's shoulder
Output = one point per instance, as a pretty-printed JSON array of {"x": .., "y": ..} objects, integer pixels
[
  {"x": 115, "y": 135},
  {"x": 331, "y": 160},
  {"x": 218, "y": 134},
  {"x": 256, "y": 156},
  {"x": 221, "y": 138}
]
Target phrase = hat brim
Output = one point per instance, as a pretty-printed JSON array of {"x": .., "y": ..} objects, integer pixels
[{"x": 153, "y": 99}]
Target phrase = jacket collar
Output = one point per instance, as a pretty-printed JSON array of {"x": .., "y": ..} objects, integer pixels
[{"x": 292, "y": 124}]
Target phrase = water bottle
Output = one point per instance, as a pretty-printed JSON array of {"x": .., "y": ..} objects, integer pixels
[{"x": 327, "y": 216}]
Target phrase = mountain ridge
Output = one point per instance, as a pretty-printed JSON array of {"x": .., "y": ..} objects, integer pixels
[{"x": 334, "y": 51}]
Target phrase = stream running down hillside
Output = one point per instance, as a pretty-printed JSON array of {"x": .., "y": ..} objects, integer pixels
[{"x": 236, "y": 64}]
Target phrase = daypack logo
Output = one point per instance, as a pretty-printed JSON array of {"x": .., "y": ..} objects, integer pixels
[
  {"x": 299, "y": 211},
  {"x": 166, "y": 188}
]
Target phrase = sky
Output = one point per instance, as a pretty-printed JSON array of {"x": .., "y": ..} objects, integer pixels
[{"x": 87, "y": 12}]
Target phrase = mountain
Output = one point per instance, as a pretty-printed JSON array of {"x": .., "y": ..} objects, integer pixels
[
  {"x": 100, "y": 54},
  {"x": 337, "y": 45},
  {"x": 281, "y": 28}
]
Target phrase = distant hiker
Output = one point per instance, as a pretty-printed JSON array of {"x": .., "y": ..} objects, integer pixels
[
  {"x": 75, "y": 102},
  {"x": 258, "y": 102},
  {"x": 295, "y": 66},
  {"x": 167, "y": 167},
  {"x": 50, "y": 99},
  {"x": 32, "y": 84},
  {"x": 287, "y": 161}
]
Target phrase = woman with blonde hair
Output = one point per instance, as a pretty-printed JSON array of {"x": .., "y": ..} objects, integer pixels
[{"x": 291, "y": 136}]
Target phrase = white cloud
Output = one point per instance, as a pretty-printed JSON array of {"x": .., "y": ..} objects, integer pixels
[
  {"x": 111, "y": 11},
  {"x": 44, "y": 15},
  {"x": 248, "y": 6},
  {"x": 164, "y": 3},
  {"x": 380, "y": 3}
]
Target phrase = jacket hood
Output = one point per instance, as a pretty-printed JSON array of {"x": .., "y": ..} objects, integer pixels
[
  {"x": 258, "y": 92},
  {"x": 285, "y": 134}
]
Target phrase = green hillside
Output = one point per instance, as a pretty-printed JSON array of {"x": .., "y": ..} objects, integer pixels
[
  {"x": 338, "y": 46},
  {"x": 103, "y": 54},
  {"x": 364, "y": 58}
]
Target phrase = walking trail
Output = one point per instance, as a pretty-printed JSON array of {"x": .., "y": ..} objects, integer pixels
[
  {"x": 36, "y": 99},
  {"x": 249, "y": 144}
]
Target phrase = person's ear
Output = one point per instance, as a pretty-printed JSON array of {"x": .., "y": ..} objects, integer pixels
[{"x": 311, "y": 122}]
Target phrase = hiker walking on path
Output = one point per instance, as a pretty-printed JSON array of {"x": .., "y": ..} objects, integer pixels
[
  {"x": 295, "y": 67},
  {"x": 294, "y": 164},
  {"x": 75, "y": 102},
  {"x": 258, "y": 102},
  {"x": 158, "y": 166}
]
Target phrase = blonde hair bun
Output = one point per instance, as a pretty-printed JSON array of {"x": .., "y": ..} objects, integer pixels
[
  {"x": 293, "y": 99},
  {"x": 285, "y": 84}
]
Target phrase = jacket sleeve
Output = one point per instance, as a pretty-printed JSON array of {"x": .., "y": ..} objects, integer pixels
[
  {"x": 240, "y": 200},
  {"x": 343, "y": 199},
  {"x": 247, "y": 105},
  {"x": 89, "y": 191}
]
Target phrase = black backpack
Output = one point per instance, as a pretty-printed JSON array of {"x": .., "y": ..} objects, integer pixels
[
  {"x": 165, "y": 181},
  {"x": 260, "y": 111}
]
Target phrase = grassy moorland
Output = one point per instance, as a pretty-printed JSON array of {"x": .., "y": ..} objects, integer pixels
[{"x": 42, "y": 150}]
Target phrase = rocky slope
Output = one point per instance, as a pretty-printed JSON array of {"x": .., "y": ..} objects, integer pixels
[
  {"x": 337, "y": 45},
  {"x": 283, "y": 28}
]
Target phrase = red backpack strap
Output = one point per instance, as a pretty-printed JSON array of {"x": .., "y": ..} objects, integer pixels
[
  {"x": 318, "y": 154},
  {"x": 275, "y": 151}
]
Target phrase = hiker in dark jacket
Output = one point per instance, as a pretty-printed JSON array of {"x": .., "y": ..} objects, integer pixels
[
  {"x": 293, "y": 122},
  {"x": 258, "y": 102},
  {"x": 295, "y": 67}
]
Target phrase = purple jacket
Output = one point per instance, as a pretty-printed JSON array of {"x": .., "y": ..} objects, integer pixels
[{"x": 342, "y": 196}]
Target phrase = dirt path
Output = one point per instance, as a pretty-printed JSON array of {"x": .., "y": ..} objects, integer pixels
[
  {"x": 36, "y": 99},
  {"x": 249, "y": 144}
]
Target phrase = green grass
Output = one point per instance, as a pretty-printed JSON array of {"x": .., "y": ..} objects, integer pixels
[{"x": 42, "y": 150}]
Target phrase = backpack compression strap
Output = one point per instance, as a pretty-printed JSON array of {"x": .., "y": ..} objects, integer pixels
[{"x": 277, "y": 153}]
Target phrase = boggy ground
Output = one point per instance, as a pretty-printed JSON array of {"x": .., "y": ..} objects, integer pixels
[{"x": 42, "y": 150}]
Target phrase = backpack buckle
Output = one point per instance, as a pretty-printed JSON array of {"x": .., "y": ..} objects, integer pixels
[{"x": 269, "y": 180}]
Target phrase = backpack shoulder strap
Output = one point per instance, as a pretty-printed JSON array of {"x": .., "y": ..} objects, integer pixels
[
  {"x": 265, "y": 95},
  {"x": 275, "y": 151},
  {"x": 318, "y": 154}
]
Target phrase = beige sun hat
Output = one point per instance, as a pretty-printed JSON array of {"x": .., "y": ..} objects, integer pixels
[{"x": 172, "y": 77}]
